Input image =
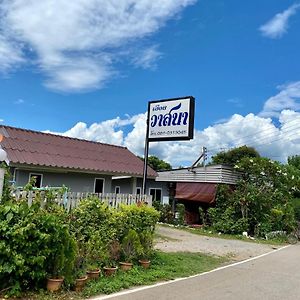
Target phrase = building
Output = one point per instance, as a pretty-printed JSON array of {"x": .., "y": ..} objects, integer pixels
[
  {"x": 195, "y": 187},
  {"x": 80, "y": 165}
]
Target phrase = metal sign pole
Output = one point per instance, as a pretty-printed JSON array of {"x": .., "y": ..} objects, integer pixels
[{"x": 146, "y": 157}]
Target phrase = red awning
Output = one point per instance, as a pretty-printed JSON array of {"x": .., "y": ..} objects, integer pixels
[{"x": 196, "y": 191}]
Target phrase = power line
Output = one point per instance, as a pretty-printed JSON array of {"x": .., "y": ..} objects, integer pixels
[{"x": 259, "y": 140}]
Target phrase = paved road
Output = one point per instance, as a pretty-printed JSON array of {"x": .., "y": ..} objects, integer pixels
[
  {"x": 180, "y": 240},
  {"x": 273, "y": 276}
]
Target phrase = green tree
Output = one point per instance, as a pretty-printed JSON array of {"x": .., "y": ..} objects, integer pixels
[
  {"x": 233, "y": 156},
  {"x": 294, "y": 161},
  {"x": 157, "y": 164},
  {"x": 262, "y": 200}
]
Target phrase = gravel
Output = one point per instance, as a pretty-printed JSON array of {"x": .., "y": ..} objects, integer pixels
[{"x": 176, "y": 240}]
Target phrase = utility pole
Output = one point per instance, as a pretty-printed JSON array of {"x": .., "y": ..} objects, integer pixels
[{"x": 204, "y": 153}]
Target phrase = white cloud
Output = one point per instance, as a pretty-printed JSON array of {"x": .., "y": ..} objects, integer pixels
[
  {"x": 108, "y": 131},
  {"x": 287, "y": 98},
  {"x": 1, "y": 120},
  {"x": 259, "y": 131},
  {"x": 271, "y": 141},
  {"x": 147, "y": 58},
  {"x": 10, "y": 55},
  {"x": 75, "y": 43},
  {"x": 278, "y": 25}
]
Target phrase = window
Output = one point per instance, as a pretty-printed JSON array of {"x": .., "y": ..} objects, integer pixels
[
  {"x": 38, "y": 179},
  {"x": 156, "y": 194},
  {"x": 117, "y": 190},
  {"x": 138, "y": 191},
  {"x": 99, "y": 185}
]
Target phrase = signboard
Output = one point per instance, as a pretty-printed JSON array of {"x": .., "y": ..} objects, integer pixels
[{"x": 171, "y": 119}]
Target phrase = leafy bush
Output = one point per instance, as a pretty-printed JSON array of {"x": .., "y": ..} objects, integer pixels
[
  {"x": 6, "y": 186},
  {"x": 131, "y": 247},
  {"x": 34, "y": 243},
  {"x": 181, "y": 211},
  {"x": 261, "y": 202},
  {"x": 296, "y": 206},
  {"x": 139, "y": 218},
  {"x": 38, "y": 243},
  {"x": 166, "y": 213}
]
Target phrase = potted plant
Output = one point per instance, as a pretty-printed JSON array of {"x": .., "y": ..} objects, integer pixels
[
  {"x": 94, "y": 256},
  {"x": 60, "y": 262},
  {"x": 146, "y": 239},
  {"x": 80, "y": 281},
  {"x": 113, "y": 256},
  {"x": 130, "y": 249},
  {"x": 80, "y": 270}
]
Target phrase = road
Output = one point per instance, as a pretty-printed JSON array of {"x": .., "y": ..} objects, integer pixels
[{"x": 272, "y": 276}]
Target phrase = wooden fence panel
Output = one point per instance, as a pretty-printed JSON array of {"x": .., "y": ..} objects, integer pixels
[{"x": 71, "y": 200}]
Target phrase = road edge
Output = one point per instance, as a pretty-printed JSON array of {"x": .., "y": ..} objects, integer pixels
[{"x": 138, "y": 289}]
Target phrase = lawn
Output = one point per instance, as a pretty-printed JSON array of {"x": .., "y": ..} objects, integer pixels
[{"x": 165, "y": 266}]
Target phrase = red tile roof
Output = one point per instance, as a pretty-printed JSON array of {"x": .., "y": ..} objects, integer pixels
[{"x": 48, "y": 150}]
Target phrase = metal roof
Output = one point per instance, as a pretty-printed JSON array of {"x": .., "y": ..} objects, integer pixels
[
  {"x": 34, "y": 148},
  {"x": 209, "y": 174}
]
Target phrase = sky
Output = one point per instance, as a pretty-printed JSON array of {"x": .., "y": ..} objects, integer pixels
[{"x": 87, "y": 69}]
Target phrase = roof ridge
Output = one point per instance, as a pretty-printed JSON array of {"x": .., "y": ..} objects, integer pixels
[{"x": 62, "y": 136}]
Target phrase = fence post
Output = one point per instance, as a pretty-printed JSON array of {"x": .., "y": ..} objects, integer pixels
[{"x": 2, "y": 172}]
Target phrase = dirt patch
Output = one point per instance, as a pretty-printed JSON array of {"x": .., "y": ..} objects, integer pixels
[{"x": 176, "y": 240}]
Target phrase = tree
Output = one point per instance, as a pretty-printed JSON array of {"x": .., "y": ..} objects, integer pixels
[
  {"x": 233, "y": 156},
  {"x": 262, "y": 200},
  {"x": 157, "y": 164},
  {"x": 294, "y": 161}
]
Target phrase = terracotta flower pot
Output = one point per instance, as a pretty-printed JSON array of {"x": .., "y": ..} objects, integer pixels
[
  {"x": 54, "y": 284},
  {"x": 109, "y": 271},
  {"x": 125, "y": 266},
  {"x": 80, "y": 283},
  {"x": 93, "y": 274},
  {"x": 145, "y": 263}
]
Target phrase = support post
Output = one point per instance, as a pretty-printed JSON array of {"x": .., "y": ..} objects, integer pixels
[
  {"x": 146, "y": 152},
  {"x": 2, "y": 173}
]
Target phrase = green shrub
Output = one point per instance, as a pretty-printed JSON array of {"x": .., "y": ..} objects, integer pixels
[
  {"x": 181, "y": 211},
  {"x": 6, "y": 186},
  {"x": 296, "y": 206},
  {"x": 166, "y": 213},
  {"x": 37, "y": 243},
  {"x": 131, "y": 247},
  {"x": 139, "y": 218},
  {"x": 34, "y": 244}
]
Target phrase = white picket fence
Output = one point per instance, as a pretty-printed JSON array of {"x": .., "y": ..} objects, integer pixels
[{"x": 70, "y": 199}]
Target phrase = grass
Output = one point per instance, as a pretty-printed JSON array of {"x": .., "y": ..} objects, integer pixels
[
  {"x": 164, "y": 266},
  {"x": 211, "y": 233},
  {"x": 160, "y": 237}
]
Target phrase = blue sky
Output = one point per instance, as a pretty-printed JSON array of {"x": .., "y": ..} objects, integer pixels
[{"x": 88, "y": 69}]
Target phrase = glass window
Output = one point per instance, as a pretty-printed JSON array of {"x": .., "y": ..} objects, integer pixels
[
  {"x": 38, "y": 179},
  {"x": 99, "y": 185},
  {"x": 156, "y": 194},
  {"x": 117, "y": 190}
]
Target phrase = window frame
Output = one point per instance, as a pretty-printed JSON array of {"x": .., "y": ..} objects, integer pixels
[
  {"x": 161, "y": 195},
  {"x": 34, "y": 175},
  {"x": 103, "y": 180},
  {"x": 136, "y": 190},
  {"x": 117, "y": 187}
]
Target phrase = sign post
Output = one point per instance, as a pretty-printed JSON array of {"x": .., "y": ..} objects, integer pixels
[{"x": 168, "y": 120}]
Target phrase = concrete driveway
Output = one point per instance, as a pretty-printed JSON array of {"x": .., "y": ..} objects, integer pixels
[{"x": 271, "y": 276}]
